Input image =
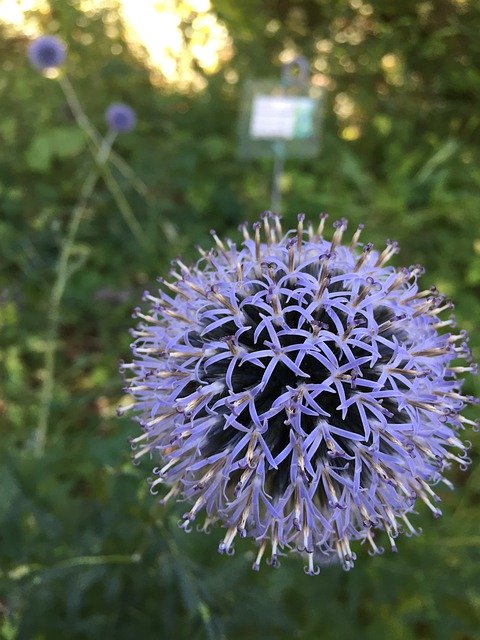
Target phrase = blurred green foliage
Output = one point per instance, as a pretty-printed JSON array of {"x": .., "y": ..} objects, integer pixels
[{"x": 85, "y": 550}]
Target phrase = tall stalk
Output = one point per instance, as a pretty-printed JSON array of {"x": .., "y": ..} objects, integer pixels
[{"x": 62, "y": 275}]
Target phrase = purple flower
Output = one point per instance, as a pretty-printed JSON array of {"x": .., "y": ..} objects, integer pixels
[
  {"x": 299, "y": 391},
  {"x": 47, "y": 52},
  {"x": 120, "y": 117}
]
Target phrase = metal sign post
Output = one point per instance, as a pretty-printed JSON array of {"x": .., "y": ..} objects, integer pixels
[
  {"x": 281, "y": 120},
  {"x": 289, "y": 78},
  {"x": 278, "y": 165}
]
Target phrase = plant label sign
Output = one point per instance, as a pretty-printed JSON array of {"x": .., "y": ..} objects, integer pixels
[
  {"x": 282, "y": 117},
  {"x": 273, "y": 114}
]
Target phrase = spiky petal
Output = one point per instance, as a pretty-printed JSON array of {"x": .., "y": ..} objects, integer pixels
[{"x": 299, "y": 391}]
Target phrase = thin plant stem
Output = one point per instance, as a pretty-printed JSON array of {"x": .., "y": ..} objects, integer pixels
[
  {"x": 123, "y": 205},
  {"x": 112, "y": 185},
  {"x": 188, "y": 581},
  {"x": 57, "y": 292},
  {"x": 96, "y": 138},
  {"x": 80, "y": 561},
  {"x": 467, "y": 541},
  {"x": 471, "y": 482}
]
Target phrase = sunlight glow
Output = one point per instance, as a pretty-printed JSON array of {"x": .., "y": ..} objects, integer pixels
[
  {"x": 177, "y": 35},
  {"x": 175, "y": 38},
  {"x": 13, "y": 13}
]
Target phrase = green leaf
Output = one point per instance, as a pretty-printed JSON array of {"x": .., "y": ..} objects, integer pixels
[{"x": 61, "y": 142}]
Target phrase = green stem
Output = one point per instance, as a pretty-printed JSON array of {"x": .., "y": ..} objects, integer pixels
[
  {"x": 53, "y": 318},
  {"x": 124, "y": 206},
  {"x": 472, "y": 541},
  {"x": 112, "y": 185},
  {"x": 471, "y": 482},
  {"x": 80, "y": 561},
  {"x": 188, "y": 581},
  {"x": 96, "y": 138}
]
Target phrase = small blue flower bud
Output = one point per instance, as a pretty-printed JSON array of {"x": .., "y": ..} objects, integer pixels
[
  {"x": 47, "y": 52},
  {"x": 120, "y": 118}
]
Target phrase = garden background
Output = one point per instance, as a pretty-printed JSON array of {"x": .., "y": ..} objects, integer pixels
[{"x": 85, "y": 551}]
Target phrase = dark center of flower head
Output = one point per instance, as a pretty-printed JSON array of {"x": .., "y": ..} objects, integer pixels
[
  {"x": 121, "y": 120},
  {"x": 299, "y": 391},
  {"x": 120, "y": 117},
  {"x": 48, "y": 54}
]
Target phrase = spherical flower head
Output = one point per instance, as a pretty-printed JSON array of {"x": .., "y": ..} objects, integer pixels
[
  {"x": 120, "y": 118},
  {"x": 299, "y": 391},
  {"x": 47, "y": 52}
]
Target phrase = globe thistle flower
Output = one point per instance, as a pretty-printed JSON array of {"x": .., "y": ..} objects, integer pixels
[
  {"x": 299, "y": 391},
  {"x": 47, "y": 52},
  {"x": 120, "y": 118}
]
